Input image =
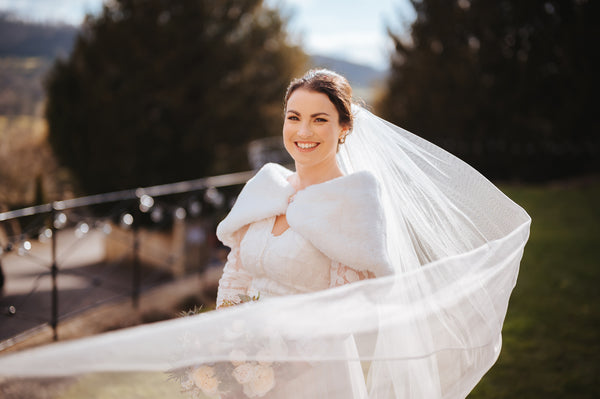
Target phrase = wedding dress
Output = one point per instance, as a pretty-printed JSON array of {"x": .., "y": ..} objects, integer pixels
[
  {"x": 263, "y": 265},
  {"x": 443, "y": 243}
]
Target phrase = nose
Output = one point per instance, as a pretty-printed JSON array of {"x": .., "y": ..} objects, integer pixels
[{"x": 304, "y": 130}]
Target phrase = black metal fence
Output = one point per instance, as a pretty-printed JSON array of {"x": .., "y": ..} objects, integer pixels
[{"x": 105, "y": 246}]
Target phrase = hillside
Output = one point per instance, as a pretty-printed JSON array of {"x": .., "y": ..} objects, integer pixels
[
  {"x": 24, "y": 39},
  {"x": 365, "y": 80},
  {"x": 28, "y": 170},
  {"x": 358, "y": 75}
]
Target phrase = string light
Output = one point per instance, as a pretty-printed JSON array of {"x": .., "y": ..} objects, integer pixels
[
  {"x": 107, "y": 228},
  {"x": 195, "y": 208},
  {"x": 127, "y": 220},
  {"x": 82, "y": 229},
  {"x": 214, "y": 197},
  {"x": 45, "y": 235},
  {"x": 180, "y": 213},
  {"x": 24, "y": 248},
  {"x": 60, "y": 220},
  {"x": 157, "y": 215},
  {"x": 146, "y": 203}
]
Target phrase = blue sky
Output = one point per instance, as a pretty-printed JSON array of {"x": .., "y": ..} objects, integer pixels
[{"x": 354, "y": 30}]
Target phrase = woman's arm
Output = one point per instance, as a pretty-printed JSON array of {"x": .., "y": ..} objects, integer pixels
[
  {"x": 235, "y": 279},
  {"x": 342, "y": 274}
]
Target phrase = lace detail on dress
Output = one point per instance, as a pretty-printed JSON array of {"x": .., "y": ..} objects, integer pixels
[{"x": 342, "y": 274}]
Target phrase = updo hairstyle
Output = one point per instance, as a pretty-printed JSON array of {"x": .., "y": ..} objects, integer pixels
[{"x": 333, "y": 85}]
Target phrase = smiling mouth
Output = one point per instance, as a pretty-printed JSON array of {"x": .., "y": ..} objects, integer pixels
[{"x": 306, "y": 145}]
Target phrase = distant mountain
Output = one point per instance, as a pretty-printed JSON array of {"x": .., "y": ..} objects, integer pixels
[
  {"x": 359, "y": 76},
  {"x": 28, "y": 39}
]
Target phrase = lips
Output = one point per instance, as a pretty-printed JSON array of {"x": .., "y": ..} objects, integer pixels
[{"x": 306, "y": 145}]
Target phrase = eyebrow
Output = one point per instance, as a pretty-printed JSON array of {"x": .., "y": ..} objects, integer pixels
[{"x": 312, "y": 116}]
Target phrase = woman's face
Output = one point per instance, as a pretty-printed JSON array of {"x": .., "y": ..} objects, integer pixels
[{"x": 311, "y": 129}]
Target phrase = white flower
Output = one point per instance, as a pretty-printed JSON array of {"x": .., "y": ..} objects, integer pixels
[
  {"x": 264, "y": 357},
  {"x": 205, "y": 379},
  {"x": 244, "y": 373},
  {"x": 248, "y": 391},
  {"x": 351, "y": 275},
  {"x": 237, "y": 357},
  {"x": 263, "y": 381}
]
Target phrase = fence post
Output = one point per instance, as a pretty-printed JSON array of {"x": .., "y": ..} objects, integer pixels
[{"x": 54, "y": 272}]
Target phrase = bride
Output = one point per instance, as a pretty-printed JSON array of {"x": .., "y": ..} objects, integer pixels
[
  {"x": 380, "y": 268},
  {"x": 292, "y": 233}
]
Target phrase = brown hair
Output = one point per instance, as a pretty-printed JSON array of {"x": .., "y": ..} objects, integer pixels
[{"x": 333, "y": 85}]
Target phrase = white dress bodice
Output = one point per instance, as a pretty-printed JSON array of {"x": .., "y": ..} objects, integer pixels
[
  {"x": 265, "y": 265},
  {"x": 284, "y": 264}
]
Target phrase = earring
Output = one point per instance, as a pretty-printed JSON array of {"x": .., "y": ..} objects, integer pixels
[{"x": 342, "y": 139}]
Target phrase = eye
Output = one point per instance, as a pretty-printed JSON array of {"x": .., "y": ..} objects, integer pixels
[
  {"x": 293, "y": 118},
  {"x": 321, "y": 120}
]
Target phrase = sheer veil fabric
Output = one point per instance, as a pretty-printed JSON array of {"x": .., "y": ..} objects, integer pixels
[{"x": 430, "y": 330}]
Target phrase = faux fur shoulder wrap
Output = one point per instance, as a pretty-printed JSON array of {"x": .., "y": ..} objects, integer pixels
[{"x": 342, "y": 218}]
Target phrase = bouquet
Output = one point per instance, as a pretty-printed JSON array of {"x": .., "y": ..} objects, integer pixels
[
  {"x": 235, "y": 378},
  {"x": 228, "y": 379}
]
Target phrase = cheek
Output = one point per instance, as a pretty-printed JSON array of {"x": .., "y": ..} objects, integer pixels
[
  {"x": 286, "y": 131},
  {"x": 332, "y": 134}
]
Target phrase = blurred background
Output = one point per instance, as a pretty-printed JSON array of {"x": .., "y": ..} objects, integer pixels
[{"x": 101, "y": 96}]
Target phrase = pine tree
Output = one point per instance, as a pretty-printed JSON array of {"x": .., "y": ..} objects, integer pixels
[
  {"x": 507, "y": 85},
  {"x": 157, "y": 91}
]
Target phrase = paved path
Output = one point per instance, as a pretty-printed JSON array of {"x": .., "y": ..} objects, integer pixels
[{"x": 85, "y": 280}]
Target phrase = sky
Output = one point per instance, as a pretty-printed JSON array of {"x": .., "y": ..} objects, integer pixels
[{"x": 353, "y": 30}]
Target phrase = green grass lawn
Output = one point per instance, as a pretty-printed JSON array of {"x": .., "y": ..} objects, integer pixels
[{"x": 551, "y": 343}]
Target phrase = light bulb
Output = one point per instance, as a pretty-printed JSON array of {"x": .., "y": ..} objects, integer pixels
[
  {"x": 60, "y": 220},
  {"x": 127, "y": 220},
  {"x": 180, "y": 213},
  {"x": 24, "y": 248},
  {"x": 45, "y": 235},
  {"x": 82, "y": 229},
  {"x": 146, "y": 203}
]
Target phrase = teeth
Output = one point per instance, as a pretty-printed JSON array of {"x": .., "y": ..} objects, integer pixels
[{"x": 306, "y": 145}]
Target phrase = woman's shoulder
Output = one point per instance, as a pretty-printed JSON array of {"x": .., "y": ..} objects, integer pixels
[
  {"x": 265, "y": 194},
  {"x": 271, "y": 171},
  {"x": 269, "y": 181}
]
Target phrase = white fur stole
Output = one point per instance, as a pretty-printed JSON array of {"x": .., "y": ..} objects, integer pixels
[{"x": 342, "y": 217}]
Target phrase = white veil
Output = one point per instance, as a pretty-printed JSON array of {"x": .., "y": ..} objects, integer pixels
[{"x": 429, "y": 331}]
